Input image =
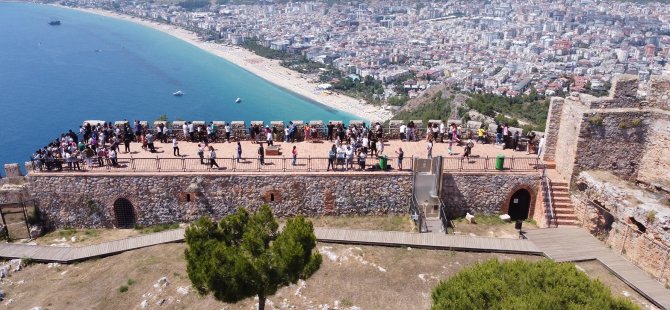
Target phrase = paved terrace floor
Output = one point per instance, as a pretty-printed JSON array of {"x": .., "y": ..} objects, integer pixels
[{"x": 143, "y": 160}]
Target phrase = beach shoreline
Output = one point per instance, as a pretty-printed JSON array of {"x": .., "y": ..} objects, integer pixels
[{"x": 267, "y": 69}]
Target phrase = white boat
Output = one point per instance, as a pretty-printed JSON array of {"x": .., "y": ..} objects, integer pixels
[
  {"x": 178, "y": 93},
  {"x": 238, "y": 100}
]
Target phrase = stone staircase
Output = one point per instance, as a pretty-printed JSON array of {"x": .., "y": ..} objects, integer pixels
[{"x": 563, "y": 209}]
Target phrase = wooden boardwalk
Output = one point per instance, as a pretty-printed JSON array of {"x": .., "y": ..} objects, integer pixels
[
  {"x": 43, "y": 253},
  {"x": 559, "y": 244},
  {"x": 427, "y": 240},
  {"x": 386, "y": 238},
  {"x": 571, "y": 244}
]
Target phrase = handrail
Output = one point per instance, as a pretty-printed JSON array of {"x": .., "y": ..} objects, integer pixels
[
  {"x": 444, "y": 220},
  {"x": 417, "y": 215},
  {"x": 546, "y": 191}
]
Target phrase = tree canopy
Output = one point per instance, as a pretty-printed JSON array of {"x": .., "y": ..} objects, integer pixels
[
  {"x": 244, "y": 255},
  {"x": 522, "y": 284}
]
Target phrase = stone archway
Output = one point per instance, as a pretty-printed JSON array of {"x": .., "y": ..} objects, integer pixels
[
  {"x": 124, "y": 213},
  {"x": 509, "y": 201}
]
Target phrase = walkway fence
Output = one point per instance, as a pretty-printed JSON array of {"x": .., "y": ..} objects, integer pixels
[
  {"x": 276, "y": 164},
  {"x": 637, "y": 246}
]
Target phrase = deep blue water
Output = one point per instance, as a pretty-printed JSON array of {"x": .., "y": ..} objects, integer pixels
[{"x": 52, "y": 79}]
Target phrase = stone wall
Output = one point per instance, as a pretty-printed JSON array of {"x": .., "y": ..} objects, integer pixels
[
  {"x": 486, "y": 193},
  {"x": 621, "y": 133},
  {"x": 88, "y": 200},
  {"x": 552, "y": 129},
  {"x": 612, "y": 141},
  {"x": 655, "y": 163},
  {"x": 569, "y": 128},
  {"x": 632, "y": 221}
]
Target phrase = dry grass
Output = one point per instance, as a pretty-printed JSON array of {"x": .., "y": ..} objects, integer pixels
[
  {"x": 386, "y": 223},
  {"x": 367, "y": 277},
  {"x": 85, "y": 236},
  {"x": 489, "y": 226},
  {"x": 597, "y": 271}
]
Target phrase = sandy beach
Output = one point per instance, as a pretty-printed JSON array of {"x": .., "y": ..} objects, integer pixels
[{"x": 268, "y": 69}]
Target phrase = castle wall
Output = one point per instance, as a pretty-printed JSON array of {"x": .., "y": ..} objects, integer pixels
[
  {"x": 553, "y": 128},
  {"x": 632, "y": 221},
  {"x": 486, "y": 193},
  {"x": 566, "y": 143},
  {"x": 87, "y": 199},
  {"x": 655, "y": 163}
]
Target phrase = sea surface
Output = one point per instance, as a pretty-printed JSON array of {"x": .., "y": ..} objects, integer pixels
[{"x": 93, "y": 67}]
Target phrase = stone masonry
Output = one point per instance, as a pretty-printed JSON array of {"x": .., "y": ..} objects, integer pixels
[{"x": 87, "y": 199}]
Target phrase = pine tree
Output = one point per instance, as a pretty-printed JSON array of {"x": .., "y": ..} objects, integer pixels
[{"x": 244, "y": 255}]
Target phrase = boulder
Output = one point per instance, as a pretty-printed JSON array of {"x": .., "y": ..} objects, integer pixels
[{"x": 505, "y": 218}]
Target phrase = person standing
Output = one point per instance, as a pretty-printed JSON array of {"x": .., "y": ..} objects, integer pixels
[
  {"x": 403, "y": 132},
  {"x": 294, "y": 152},
  {"x": 201, "y": 154},
  {"x": 113, "y": 158},
  {"x": 401, "y": 155},
  {"x": 261, "y": 154},
  {"x": 515, "y": 140},
  {"x": 175, "y": 148},
  {"x": 468, "y": 149},
  {"x": 150, "y": 142},
  {"x": 127, "y": 138},
  {"x": 429, "y": 148},
  {"x": 380, "y": 147},
  {"x": 227, "y": 129},
  {"x": 184, "y": 130},
  {"x": 331, "y": 158},
  {"x": 212, "y": 158},
  {"x": 350, "y": 157},
  {"x": 239, "y": 151},
  {"x": 540, "y": 147},
  {"x": 330, "y": 131},
  {"x": 499, "y": 132}
]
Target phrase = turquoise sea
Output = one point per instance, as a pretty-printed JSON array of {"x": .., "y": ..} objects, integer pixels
[{"x": 52, "y": 78}]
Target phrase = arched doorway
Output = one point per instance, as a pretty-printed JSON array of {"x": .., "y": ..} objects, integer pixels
[
  {"x": 519, "y": 205},
  {"x": 124, "y": 213}
]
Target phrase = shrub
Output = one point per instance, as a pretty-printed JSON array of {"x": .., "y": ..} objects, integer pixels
[
  {"x": 635, "y": 122},
  {"x": 623, "y": 125},
  {"x": 524, "y": 285},
  {"x": 596, "y": 120},
  {"x": 123, "y": 289},
  {"x": 651, "y": 216}
]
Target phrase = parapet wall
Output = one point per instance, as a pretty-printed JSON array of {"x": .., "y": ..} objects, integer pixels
[{"x": 88, "y": 200}]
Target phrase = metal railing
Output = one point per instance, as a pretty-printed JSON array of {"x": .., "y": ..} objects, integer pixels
[
  {"x": 276, "y": 164},
  {"x": 444, "y": 220},
  {"x": 489, "y": 164},
  {"x": 546, "y": 194},
  {"x": 417, "y": 215},
  {"x": 183, "y": 164}
]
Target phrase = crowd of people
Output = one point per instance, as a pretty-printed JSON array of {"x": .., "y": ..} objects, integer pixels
[{"x": 99, "y": 144}]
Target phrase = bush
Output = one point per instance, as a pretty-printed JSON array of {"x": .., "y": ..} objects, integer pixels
[
  {"x": 524, "y": 285},
  {"x": 596, "y": 120},
  {"x": 123, "y": 289}
]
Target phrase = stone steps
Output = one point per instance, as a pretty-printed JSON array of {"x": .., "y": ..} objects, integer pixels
[{"x": 564, "y": 212}]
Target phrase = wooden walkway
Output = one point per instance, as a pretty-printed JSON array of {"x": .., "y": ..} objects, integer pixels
[
  {"x": 427, "y": 240},
  {"x": 43, "y": 253},
  {"x": 385, "y": 238},
  {"x": 571, "y": 244},
  {"x": 559, "y": 244}
]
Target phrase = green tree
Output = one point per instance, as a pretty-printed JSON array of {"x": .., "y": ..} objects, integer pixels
[
  {"x": 243, "y": 255},
  {"x": 522, "y": 284}
]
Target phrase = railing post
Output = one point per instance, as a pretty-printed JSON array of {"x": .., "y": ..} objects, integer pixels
[
  {"x": 511, "y": 163},
  {"x": 283, "y": 162},
  {"x": 132, "y": 163},
  {"x": 309, "y": 163},
  {"x": 486, "y": 163},
  {"x": 623, "y": 242},
  {"x": 183, "y": 163},
  {"x": 158, "y": 163}
]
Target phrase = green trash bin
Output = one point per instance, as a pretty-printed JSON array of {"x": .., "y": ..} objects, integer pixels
[
  {"x": 382, "y": 162},
  {"x": 500, "y": 162}
]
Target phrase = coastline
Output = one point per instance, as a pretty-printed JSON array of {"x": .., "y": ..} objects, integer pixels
[{"x": 267, "y": 69}]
